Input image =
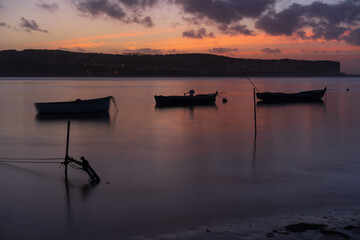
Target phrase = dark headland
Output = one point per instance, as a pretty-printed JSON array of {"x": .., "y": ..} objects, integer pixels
[{"x": 57, "y": 63}]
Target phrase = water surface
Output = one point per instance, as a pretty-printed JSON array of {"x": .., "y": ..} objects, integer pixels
[{"x": 169, "y": 168}]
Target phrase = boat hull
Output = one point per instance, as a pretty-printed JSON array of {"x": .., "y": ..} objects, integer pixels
[
  {"x": 79, "y": 106},
  {"x": 202, "y": 99},
  {"x": 306, "y": 96}
]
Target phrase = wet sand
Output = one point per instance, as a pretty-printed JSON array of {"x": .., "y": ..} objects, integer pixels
[{"x": 333, "y": 224}]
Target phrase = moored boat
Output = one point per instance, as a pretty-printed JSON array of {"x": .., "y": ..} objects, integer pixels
[
  {"x": 78, "y": 106},
  {"x": 186, "y": 100},
  {"x": 305, "y": 96}
]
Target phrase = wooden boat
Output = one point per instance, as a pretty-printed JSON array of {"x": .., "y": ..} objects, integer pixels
[
  {"x": 305, "y": 96},
  {"x": 78, "y": 106},
  {"x": 190, "y": 100}
]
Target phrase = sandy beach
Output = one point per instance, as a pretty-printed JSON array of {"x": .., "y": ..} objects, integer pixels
[{"x": 333, "y": 224}]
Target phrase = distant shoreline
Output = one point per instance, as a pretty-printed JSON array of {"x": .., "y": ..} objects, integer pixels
[{"x": 57, "y": 63}]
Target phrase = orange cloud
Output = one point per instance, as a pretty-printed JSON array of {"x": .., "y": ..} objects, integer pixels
[
  {"x": 246, "y": 43},
  {"x": 90, "y": 41},
  {"x": 87, "y": 44}
]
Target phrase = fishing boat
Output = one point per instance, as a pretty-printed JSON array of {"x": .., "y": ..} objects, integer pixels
[
  {"x": 305, "y": 96},
  {"x": 78, "y": 106},
  {"x": 186, "y": 100}
]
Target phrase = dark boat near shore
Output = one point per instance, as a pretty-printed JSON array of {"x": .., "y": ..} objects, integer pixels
[
  {"x": 78, "y": 106},
  {"x": 190, "y": 100},
  {"x": 305, "y": 96}
]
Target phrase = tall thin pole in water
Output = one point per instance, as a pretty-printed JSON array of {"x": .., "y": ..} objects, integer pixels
[
  {"x": 67, "y": 148},
  {"x": 255, "y": 111}
]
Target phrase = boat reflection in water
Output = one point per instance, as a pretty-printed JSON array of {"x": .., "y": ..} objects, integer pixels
[
  {"x": 290, "y": 112},
  {"x": 176, "y": 111},
  {"x": 96, "y": 118},
  {"x": 294, "y": 120},
  {"x": 103, "y": 118},
  {"x": 319, "y": 103},
  {"x": 191, "y": 107}
]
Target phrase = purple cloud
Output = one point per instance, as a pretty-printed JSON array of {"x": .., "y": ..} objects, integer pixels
[
  {"x": 225, "y": 12},
  {"x": 353, "y": 37},
  {"x": 146, "y": 51},
  {"x": 199, "y": 34},
  {"x": 271, "y": 51},
  {"x": 48, "y": 7},
  {"x": 327, "y": 21},
  {"x": 138, "y": 3},
  {"x": 223, "y": 50},
  {"x": 30, "y": 25},
  {"x": 236, "y": 30},
  {"x": 127, "y": 11},
  {"x": 146, "y": 21},
  {"x": 96, "y": 8}
]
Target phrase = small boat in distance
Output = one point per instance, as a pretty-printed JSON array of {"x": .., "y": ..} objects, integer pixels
[
  {"x": 305, "y": 96},
  {"x": 78, "y": 106},
  {"x": 186, "y": 100}
]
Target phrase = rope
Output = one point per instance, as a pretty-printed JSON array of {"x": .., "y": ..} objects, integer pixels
[
  {"x": 29, "y": 160},
  {"x": 18, "y": 161},
  {"x": 113, "y": 99},
  {"x": 74, "y": 166},
  {"x": 250, "y": 81},
  {"x": 220, "y": 96},
  {"x": 10, "y": 158}
]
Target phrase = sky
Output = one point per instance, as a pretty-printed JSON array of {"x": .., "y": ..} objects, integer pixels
[{"x": 256, "y": 29}]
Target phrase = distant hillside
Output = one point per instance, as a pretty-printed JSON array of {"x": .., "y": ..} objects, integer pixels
[{"x": 66, "y": 64}]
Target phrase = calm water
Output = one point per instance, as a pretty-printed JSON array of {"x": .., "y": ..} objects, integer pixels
[{"x": 164, "y": 169}]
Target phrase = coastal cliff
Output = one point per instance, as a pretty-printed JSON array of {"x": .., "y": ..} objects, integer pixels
[{"x": 57, "y": 63}]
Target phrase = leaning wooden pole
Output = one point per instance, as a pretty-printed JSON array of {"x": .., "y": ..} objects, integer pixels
[
  {"x": 66, "y": 162},
  {"x": 89, "y": 170},
  {"x": 255, "y": 111}
]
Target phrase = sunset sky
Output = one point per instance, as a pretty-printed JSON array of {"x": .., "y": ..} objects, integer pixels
[{"x": 261, "y": 29}]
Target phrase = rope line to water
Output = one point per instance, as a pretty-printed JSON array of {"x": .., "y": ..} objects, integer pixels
[
  {"x": 74, "y": 166},
  {"x": 257, "y": 90},
  {"x": 37, "y": 160},
  {"x": 19, "y": 161},
  {"x": 30, "y": 159}
]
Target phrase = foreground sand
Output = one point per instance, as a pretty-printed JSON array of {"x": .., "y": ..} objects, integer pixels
[{"x": 334, "y": 224}]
